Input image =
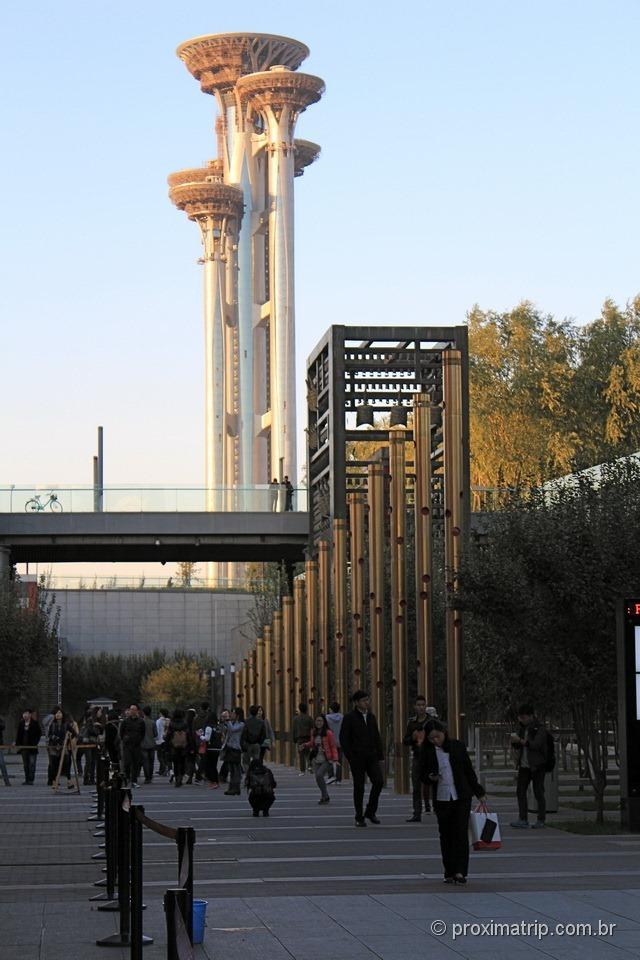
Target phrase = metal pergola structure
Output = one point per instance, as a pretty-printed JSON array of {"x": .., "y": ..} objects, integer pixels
[
  {"x": 356, "y": 373},
  {"x": 405, "y": 389},
  {"x": 408, "y": 386}
]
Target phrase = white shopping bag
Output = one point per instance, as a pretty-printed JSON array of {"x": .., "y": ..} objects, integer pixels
[{"x": 485, "y": 829}]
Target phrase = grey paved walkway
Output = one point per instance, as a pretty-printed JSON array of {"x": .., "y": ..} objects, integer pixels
[{"x": 306, "y": 884}]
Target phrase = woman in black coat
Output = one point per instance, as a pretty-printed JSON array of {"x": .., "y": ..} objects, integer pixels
[{"x": 446, "y": 764}]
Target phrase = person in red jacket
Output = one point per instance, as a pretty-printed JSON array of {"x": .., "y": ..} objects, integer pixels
[{"x": 323, "y": 753}]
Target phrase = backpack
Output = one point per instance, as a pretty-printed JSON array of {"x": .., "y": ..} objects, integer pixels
[
  {"x": 179, "y": 739},
  {"x": 260, "y": 783},
  {"x": 550, "y": 762},
  {"x": 259, "y": 737}
]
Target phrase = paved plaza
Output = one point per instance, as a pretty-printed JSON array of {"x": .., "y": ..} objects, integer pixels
[{"x": 306, "y": 884}]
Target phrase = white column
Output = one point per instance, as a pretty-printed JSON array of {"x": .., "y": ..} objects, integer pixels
[
  {"x": 214, "y": 301},
  {"x": 282, "y": 333},
  {"x": 238, "y": 173}
]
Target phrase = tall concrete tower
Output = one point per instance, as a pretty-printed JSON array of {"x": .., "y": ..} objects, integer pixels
[{"x": 248, "y": 238}]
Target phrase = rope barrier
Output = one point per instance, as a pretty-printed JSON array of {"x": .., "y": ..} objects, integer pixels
[
  {"x": 124, "y": 825},
  {"x": 169, "y": 832}
]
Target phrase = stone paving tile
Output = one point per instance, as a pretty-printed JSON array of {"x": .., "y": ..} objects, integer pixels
[
  {"x": 246, "y": 946},
  {"x": 410, "y": 948},
  {"x": 567, "y": 908},
  {"x": 492, "y": 905},
  {"x": 629, "y": 939},
  {"x": 617, "y": 903}
]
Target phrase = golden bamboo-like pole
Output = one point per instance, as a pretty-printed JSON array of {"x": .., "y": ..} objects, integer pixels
[
  {"x": 261, "y": 697},
  {"x": 453, "y": 514},
  {"x": 423, "y": 548},
  {"x": 246, "y": 684},
  {"x": 356, "y": 504},
  {"x": 398, "y": 499},
  {"x": 236, "y": 681},
  {"x": 268, "y": 704},
  {"x": 324, "y": 586},
  {"x": 287, "y": 679},
  {"x": 300, "y": 692},
  {"x": 278, "y": 720},
  {"x": 311, "y": 658},
  {"x": 253, "y": 687},
  {"x": 375, "y": 498},
  {"x": 340, "y": 610}
]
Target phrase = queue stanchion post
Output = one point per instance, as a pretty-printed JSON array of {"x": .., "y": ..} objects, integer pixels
[
  {"x": 186, "y": 840},
  {"x": 123, "y": 938},
  {"x": 138, "y": 939},
  {"x": 179, "y": 946},
  {"x": 110, "y": 903}
]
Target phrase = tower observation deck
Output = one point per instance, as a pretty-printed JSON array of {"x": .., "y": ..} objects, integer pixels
[{"x": 243, "y": 203}]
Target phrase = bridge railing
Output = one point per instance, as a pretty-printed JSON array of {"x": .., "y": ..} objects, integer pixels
[{"x": 56, "y": 498}]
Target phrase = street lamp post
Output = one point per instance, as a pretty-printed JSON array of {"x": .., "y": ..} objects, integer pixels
[
  {"x": 233, "y": 692},
  {"x": 223, "y": 696},
  {"x": 212, "y": 687}
]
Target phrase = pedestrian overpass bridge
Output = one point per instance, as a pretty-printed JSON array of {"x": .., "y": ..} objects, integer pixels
[{"x": 133, "y": 524}]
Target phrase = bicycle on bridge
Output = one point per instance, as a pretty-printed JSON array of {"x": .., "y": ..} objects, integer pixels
[{"x": 35, "y": 505}]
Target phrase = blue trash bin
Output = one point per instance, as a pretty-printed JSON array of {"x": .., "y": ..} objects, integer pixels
[{"x": 199, "y": 916}]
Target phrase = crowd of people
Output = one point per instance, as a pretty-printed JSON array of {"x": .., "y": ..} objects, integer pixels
[{"x": 195, "y": 746}]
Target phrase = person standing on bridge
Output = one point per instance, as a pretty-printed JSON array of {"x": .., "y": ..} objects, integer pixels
[
  {"x": 288, "y": 495},
  {"x": 362, "y": 746},
  {"x": 274, "y": 490}
]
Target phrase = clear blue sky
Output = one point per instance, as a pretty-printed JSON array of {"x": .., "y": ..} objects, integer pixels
[{"x": 472, "y": 152}]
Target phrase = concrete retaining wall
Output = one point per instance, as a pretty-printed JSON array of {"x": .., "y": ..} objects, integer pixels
[{"x": 138, "y": 621}]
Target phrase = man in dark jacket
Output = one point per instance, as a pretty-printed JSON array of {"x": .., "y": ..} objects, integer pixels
[
  {"x": 530, "y": 749},
  {"x": 413, "y": 737},
  {"x": 302, "y": 727},
  {"x": 362, "y": 746},
  {"x": 132, "y": 731},
  {"x": 252, "y": 736},
  {"x": 28, "y": 735}
]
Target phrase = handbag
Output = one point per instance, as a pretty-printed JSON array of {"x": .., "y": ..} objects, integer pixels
[{"x": 485, "y": 828}]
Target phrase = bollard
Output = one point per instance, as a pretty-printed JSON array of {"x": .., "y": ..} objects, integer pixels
[{"x": 179, "y": 945}]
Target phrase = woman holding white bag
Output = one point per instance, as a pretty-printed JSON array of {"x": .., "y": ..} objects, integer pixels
[{"x": 446, "y": 764}]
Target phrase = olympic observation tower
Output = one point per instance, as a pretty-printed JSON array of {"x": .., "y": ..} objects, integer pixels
[{"x": 243, "y": 203}]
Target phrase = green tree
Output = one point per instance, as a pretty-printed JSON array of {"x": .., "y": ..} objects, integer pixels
[
  {"x": 118, "y": 677},
  {"x": 178, "y": 683},
  {"x": 521, "y": 364},
  {"x": 28, "y": 640},
  {"x": 187, "y": 571},
  {"x": 540, "y": 593},
  {"x": 268, "y": 583},
  {"x": 604, "y": 395}
]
